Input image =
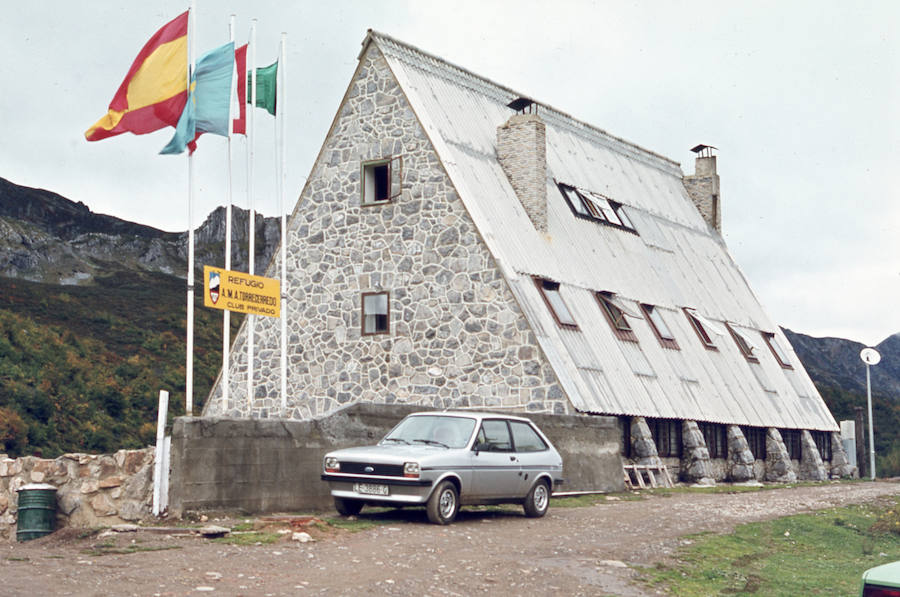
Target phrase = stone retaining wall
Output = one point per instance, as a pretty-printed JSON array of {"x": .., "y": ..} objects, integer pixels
[{"x": 92, "y": 490}]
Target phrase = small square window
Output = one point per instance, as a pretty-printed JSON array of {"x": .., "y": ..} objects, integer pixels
[
  {"x": 616, "y": 314},
  {"x": 550, "y": 293},
  {"x": 376, "y": 313},
  {"x": 779, "y": 352},
  {"x": 381, "y": 181},
  {"x": 658, "y": 325},
  {"x": 746, "y": 346}
]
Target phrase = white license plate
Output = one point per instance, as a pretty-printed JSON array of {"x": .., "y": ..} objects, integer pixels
[{"x": 370, "y": 488}]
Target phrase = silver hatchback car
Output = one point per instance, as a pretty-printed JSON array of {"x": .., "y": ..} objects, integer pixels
[{"x": 446, "y": 459}]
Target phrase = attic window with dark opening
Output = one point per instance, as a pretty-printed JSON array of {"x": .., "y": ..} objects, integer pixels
[
  {"x": 779, "y": 352},
  {"x": 666, "y": 435},
  {"x": 716, "y": 437},
  {"x": 746, "y": 346},
  {"x": 756, "y": 440},
  {"x": 381, "y": 180},
  {"x": 595, "y": 207},
  {"x": 823, "y": 444},
  {"x": 376, "y": 313},
  {"x": 616, "y": 313},
  {"x": 704, "y": 328},
  {"x": 550, "y": 293},
  {"x": 658, "y": 325}
]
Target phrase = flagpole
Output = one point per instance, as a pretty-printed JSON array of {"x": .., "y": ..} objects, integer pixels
[
  {"x": 280, "y": 111},
  {"x": 189, "y": 356},
  {"x": 226, "y": 314},
  {"x": 251, "y": 68}
]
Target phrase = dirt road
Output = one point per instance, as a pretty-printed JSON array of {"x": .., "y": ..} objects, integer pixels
[{"x": 572, "y": 551}]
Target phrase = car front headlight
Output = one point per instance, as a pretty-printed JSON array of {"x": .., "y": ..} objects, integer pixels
[
  {"x": 411, "y": 469},
  {"x": 332, "y": 465}
]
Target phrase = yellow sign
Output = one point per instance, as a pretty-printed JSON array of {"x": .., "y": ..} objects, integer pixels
[{"x": 237, "y": 291}]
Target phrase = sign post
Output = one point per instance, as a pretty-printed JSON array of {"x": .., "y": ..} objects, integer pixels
[{"x": 870, "y": 357}]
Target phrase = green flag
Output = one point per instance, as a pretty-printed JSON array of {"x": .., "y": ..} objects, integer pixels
[{"x": 265, "y": 87}]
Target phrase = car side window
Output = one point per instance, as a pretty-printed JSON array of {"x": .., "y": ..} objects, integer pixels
[
  {"x": 493, "y": 437},
  {"x": 526, "y": 438}
]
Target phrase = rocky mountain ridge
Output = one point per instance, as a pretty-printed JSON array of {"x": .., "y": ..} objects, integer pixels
[{"x": 45, "y": 237}]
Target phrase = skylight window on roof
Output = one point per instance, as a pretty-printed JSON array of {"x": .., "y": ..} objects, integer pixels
[
  {"x": 658, "y": 325},
  {"x": 550, "y": 293},
  {"x": 623, "y": 217},
  {"x": 615, "y": 313},
  {"x": 777, "y": 350},
  {"x": 574, "y": 200},
  {"x": 702, "y": 327},
  {"x": 594, "y": 206},
  {"x": 746, "y": 346}
]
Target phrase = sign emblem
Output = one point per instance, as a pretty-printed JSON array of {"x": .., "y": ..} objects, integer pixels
[{"x": 214, "y": 286}]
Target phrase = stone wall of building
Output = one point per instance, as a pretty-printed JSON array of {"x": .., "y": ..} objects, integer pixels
[
  {"x": 91, "y": 490},
  {"x": 457, "y": 335}
]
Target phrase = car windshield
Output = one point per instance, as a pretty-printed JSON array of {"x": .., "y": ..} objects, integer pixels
[{"x": 439, "y": 430}]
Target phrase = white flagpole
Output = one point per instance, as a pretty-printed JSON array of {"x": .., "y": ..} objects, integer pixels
[
  {"x": 280, "y": 110},
  {"x": 251, "y": 327},
  {"x": 189, "y": 357},
  {"x": 226, "y": 314}
]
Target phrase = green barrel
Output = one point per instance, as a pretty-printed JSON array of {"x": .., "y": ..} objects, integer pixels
[{"x": 37, "y": 511}]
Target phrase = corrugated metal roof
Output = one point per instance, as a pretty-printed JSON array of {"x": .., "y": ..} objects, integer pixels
[{"x": 674, "y": 261}]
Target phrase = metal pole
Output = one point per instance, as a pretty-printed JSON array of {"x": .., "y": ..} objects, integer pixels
[
  {"x": 871, "y": 426},
  {"x": 189, "y": 357},
  {"x": 226, "y": 314},
  {"x": 282, "y": 88},
  {"x": 251, "y": 323}
]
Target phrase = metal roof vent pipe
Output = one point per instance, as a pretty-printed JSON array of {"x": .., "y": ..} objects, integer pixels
[
  {"x": 703, "y": 186},
  {"x": 522, "y": 153}
]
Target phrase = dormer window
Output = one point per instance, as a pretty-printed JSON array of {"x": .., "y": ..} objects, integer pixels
[
  {"x": 704, "y": 328},
  {"x": 616, "y": 314},
  {"x": 593, "y": 206},
  {"x": 550, "y": 292},
  {"x": 380, "y": 180},
  {"x": 745, "y": 345},
  {"x": 779, "y": 352},
  {"x": 658, "y": 325}
]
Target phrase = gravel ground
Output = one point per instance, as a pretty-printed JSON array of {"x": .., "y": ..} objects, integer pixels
[{"x": 573, "y": 551}]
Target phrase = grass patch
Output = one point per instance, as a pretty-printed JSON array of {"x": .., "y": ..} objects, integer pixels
[
  {"x": 577, "y": 501},
  {"x": 17, "y": 559},
  {"x": 249, "y": 538},
  {"x": 822, "y": 553}
]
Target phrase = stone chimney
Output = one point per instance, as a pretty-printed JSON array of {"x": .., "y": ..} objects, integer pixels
[
  {"x": 703, "y": 186},
  {"x": 522, "y": 152}
]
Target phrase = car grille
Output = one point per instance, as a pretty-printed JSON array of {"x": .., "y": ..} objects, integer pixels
[{"x": 384, "y": 470}]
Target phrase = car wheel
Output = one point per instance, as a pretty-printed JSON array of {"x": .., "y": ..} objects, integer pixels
[
  {"x": 538, "y": 500},
  {"x": 347, "y": 507},
  {"x": 443, "y": 504}
]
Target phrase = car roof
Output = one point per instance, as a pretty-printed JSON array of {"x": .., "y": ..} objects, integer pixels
[
  {"x": 887, "y": 575},
  {"x": 471, "y": 414}
]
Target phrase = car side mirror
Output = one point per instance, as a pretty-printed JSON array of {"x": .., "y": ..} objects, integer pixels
[{"x": 481, "y": 447}]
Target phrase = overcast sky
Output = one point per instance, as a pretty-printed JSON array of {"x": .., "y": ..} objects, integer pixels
[{"x": 801, "y": 98}]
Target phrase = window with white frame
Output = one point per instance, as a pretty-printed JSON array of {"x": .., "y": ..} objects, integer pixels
[
  {"x": 617, "y": 313},
  {"x": 704, "y": 328},
  {"x": 596, "y": 207},
  {"x": 777, "y": 350},
  {"x": 381, "y": 180},
  {"x": 744, "y": 343},
  {"x": 376, "y": 313}
]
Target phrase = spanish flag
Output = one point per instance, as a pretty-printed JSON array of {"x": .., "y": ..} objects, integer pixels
[{"x": 154, "y": 91}]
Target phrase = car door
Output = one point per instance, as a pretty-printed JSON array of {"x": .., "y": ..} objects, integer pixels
[
  {"x": 495, "y": 470},
  {"x": 532, "y": 453}
]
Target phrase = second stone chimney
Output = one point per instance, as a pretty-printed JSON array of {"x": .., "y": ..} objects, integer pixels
[
  {"x": 522, "y": 152},
  {"x": 703, "y": 186}
]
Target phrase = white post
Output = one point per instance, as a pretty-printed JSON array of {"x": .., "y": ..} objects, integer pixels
[
  {"x": 251, "y": 323},
  {"x": 189, "y": 356},
  {"x": 226, "y": 314},
  {"x": 282, "y": 105},
  {"x": 871, "y": 426},
  {"x": 159, "y": 469}
]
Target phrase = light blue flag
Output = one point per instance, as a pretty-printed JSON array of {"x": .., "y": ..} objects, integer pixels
[{"x": 207, "y": 108}]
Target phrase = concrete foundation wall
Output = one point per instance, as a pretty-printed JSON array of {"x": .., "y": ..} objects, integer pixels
[{"x": 268, "y": 465}]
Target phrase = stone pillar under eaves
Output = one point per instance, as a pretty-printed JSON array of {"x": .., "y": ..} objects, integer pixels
[
  {"x": 840, "y": 462},
  {"x": 811, "y": 466},
  {"x": 695, "y": 461},
  {"x": 740, "y": 458},
  {"x": 642, "y": 445},
  {"x": 778, "y": 461}
]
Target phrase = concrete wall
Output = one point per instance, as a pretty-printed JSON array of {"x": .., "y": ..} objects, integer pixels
[{"x": 267, "y": 465}]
